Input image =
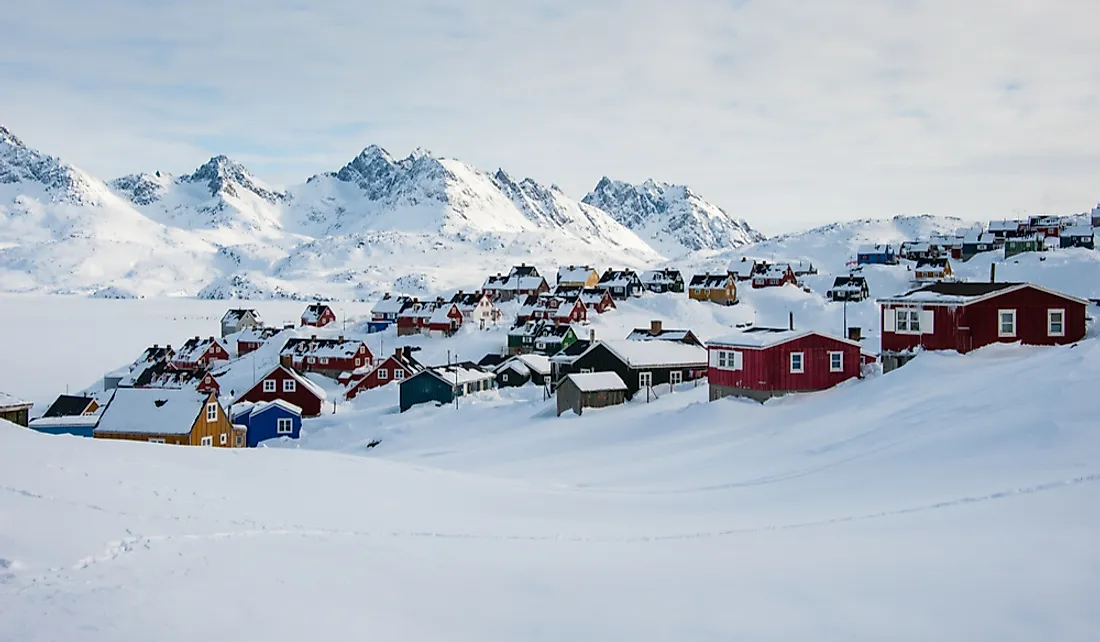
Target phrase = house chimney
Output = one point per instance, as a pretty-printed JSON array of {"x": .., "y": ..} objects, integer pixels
[
  {"x": 211, "y": 339},
  {"x": 791, "y": 320},
  {"x": 196, "y": 338},
  {"x": 592, "y": 334},
  {"x": 313, "y": 337},
  {"x": 655, "y": 327},
  {"x": 397, "y": 352},
  {"x": 855, "y": 334},
  {"x": 992, "y": 272},
  {"x": 341, "y": 339},
  {"x": 155, "y": 346},
  {"x": 286, "y": 360}
]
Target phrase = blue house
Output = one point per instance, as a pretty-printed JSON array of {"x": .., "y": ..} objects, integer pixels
[
  {"x": 268, "y": 420},
  {"x": 79, "y": 425},
  {"x": 384, "y": 313},
  {"x": 876, "y": 255},
  {"x": 442, "y": 384}
]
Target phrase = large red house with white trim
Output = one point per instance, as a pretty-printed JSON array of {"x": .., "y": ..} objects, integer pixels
[
  {"x": 287, "y": 384},
  {"x": 761, "y": 363},
  {"x": 330, "y": 357},
  {"x": 397, "y": 367},
  {"x": 968, "y": 316},
  {"x": 198, "y": 354}
]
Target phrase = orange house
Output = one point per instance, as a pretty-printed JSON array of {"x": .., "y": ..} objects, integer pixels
[{"x": 174, "y": 416}]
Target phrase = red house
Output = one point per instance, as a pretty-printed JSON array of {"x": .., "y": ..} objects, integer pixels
[
  {"x": 397, "y": 367},
  {"x": 761, "y": 363},
  {"x": 330, "y": 357},
  {"x": 318, "y": 315},
  {"x": 445, "y": 320},
  {"x": 285, "y": 383},
  {"x": 968, "y": 316},
  {"x": 197, "y": 354},
  {"x": 556, "y": 309},
  {"x": 208, "y": 384},
  {"x": 774, "y": 276},
  {"x": 253, "y": 339},
  {"x": 598, "y": 300}
]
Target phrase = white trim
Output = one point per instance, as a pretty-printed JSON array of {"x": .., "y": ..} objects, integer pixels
[
  {"x": 284, "y": 421},
  {"x": 290, "y": 385},
  {"x": 383, "y": 373},
  {"x": 645, "y": 379},
  {"x": 207, "y": 441},
  {"x": 156, "y": 440},
  {"x": 1061, "y": 322},
  {"x": 801, "y": 362},
  {"x": 1000, "y": 323},
  {"x": 224, "y": 439},
  {"x": 836, "y": 353},
  {"x": 211, "y": 412},
  {"x": 675, "y": 377},
  {"x": 793, "y": 337},
  {"x": 274, "y": 387}
]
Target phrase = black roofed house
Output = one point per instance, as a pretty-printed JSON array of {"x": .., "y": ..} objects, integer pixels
[
  {"x": 590, "y": 390},
  {"x": 849, "y": 288},
  {"x": 69, "y": 415},
  {"x": 329, "y": 357},
  {"x": 562, "y": 359},
  {"x": 658, "y": 332},
  {"x": 976, "y": 242},
  {"x": 522, "y": 281},
  {"x": 640, "y": 364},
  {"x": 522, "y": 369},
  {"x": 622, "y": 284},
  {"x": 238, "y": 319},
  {"x": 661, "y": 281},
  {"x": 443, "y": 384},
  {"x": 492, "y": 360},
  {"x": 477, "y": 307},
  {"x": 198, "y": 354},
  {"x": 15, "y": 410},
  {"x": 597, "y": 300},
  {"x": 774, "y": 276},
  {"x": 384, "y": 313},
  {"x": 1078, "y": 236},
  {"x": 720, "y": 288},
  {"x": 72, "y": 406},
  {"x": 932, "y": 270}
]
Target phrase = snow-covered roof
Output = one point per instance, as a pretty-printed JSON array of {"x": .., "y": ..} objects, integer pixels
[
  {"x": 330, "y": 348},
  {"x": 665, "y": 334},
  {"x": 152, "y": 411},
  {"x": 70, "y": 421},
  {"x": 515, "y": 281},
  {"x": 313, "y": 312},
  {"x": 534, "y": 362},
  {"x": 264, "y": 406},
  {"x": 1005, "y": 225},
  {"x": 742, "y": 269},
  {"x": 1078, "y": 230},
  {"x": 874, "y": 249},
  {"x": 709, "y": 281},
  {"x": 597, "y": 381},
  {"x": 640, "y": 354},
  {"x": 660, "y": 276},
  {"x": 966, "y": 293},
  {"x": 593, "y": 296},
  {"x": 194, "y": 348},
  {"x": 8, "y": 401},
  {"x": 236, "y": 314},
  {"x": 439, "y": 315},
  {"x": 257, "y": 335},
  {"x": 390, "y": 304},
  {"x": 618, "y": 278},
  {"x": 575, "y": 273},
  {"x": 940, "y": 263},
  {"x": 760, "y": 337},
  {"x": 461, "y": 373},
  {"x": 773, "y": 272}
]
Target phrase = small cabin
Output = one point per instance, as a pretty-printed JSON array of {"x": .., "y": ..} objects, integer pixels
[
  {"x": 444, "y": 384},
  {"x": 590, "y": 390},
  {"x": 849, "y": 288},
  {"x": 318, "y": 315},
  {"x": 15, "y": 410},
  {"x": 267, "y": 420},
  {"x": 237, "y": 319},
  {"x": 523, "y": 369},
  {"x": 716, "y": 288}
]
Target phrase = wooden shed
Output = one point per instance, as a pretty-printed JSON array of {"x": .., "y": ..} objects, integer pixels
[
  {"x": 590, "y": 390},
  {"x": 14, "y": 410}
]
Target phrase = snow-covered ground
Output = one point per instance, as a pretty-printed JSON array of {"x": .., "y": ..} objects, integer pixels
[{"x": 950, "y": 500}]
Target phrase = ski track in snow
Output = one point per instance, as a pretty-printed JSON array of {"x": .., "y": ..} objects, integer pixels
[{"x": 119, "y": 548}]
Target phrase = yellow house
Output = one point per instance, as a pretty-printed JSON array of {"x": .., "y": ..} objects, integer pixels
[
  {"x": 716, "y": 288},
  {"x": 579, "y": 276},
  {"x": 167, "y": 416}
]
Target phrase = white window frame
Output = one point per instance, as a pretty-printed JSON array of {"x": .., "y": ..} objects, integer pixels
[
  {"x": 504, "y": 377},
  {"x": 1061, "y": 322},
  {"x": 358, "y": 362},
  {"x": 324, "y": 361},
  {"x": 908, "y": 321},
  {"x": 284, "y": 421},
  {"x": 224, "y": 439},
  {"x": 310, "y": 359},
  {"x": 586, "y": 370},
  {"x": 675, "y": 377},
  {"x": 398, "y": 374},
  {"x": 211, "y": 412},
  {"x": 156, "y": 440},
  {"x": 801, "y": 362},
  {"x": 273, "y": 387},
  {"x": 207, "y": 441},
  {"x": 383, "y": 374},
  {"x": 836, "y": 354},
  {"x": 645, "y": 379},
  {"x": 1001, "y": 326}
]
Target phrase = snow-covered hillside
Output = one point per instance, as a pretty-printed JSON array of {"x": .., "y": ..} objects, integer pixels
[
  {"x": 911, "y": 506},
  {"x": 672, "y": 218}
]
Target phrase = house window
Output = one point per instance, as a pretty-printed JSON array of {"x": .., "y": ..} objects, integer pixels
[
  {"x": 310, "y": 359},
  {"x": 284, "y": 426},
  {"x": 240, "y": 441},
  {"x": 207, "y": 441},
  {"x": 269, "y": 385},
  {"x": 399, "y": 374},
  {"x": 358, "y": 362},
  {"x": 290, "y": 385},
  {"x": 836, "y": 362},
  {"x": 798, "y": 364},
  {"x": 586, "y": 370},
  {"x": 645, "y": 379},
  {"x": 224, "y": 439},
  {"x": 1006, "y": 323},
  {"x": 324, "y": 361},
  {"x": 504, "y": 378},
  {"x": 383, "y": 373},
  {"x": 1056, "y": 323},
  {"x": 211, "y": 412},
  {"x": 675, "y": 377},
  {"x": 908, "y": 321},
  {"x": 156, "y": 440}
]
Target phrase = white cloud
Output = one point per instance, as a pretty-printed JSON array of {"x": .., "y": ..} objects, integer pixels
[{"x": 787, "y": 113}]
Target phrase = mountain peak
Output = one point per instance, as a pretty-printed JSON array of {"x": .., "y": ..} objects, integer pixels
[
  {"x": 223, "y": 176},
  {"x": 9, "y": 138}
]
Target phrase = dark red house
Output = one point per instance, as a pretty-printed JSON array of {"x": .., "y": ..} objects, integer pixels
[
  {"x": 197, "y": 354},
  {"x": 397, "y": 367},
  {"x": 253, "y": 339},
  {"x": 330, "y": 357},
  {"x": 761, "y": 363},
  {"x": 318, "y": 315},
  {"x": 968, "y": 316},
  {"x": 774, "y": 276},
  {"x": 554, "y": 308},
  {"x": 287, "y": 384}
]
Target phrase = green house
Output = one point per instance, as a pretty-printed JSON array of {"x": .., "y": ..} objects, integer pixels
[
  {"x": 1014, "y": 246},
  {"x": 540, "y": 336}
]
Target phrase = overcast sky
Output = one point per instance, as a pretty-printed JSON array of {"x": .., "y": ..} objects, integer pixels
[{"x": 785, "y": 112}]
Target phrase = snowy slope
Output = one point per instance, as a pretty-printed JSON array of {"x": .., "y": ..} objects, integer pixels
[
  {"x": 671, "y": 218},
  {"x": 911, "y": 506}
]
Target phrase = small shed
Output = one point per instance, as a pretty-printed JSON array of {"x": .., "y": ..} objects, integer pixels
[
  {"x": 590, "y": 390},
  {"x": 14, "y": 410},
  {"x": 523, "y": 369}
]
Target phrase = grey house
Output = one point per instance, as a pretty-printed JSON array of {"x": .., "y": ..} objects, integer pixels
[{"x": 240, "y": 319}]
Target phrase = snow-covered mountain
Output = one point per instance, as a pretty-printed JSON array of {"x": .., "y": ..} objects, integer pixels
[
  {"x": 671, "y": 218},
  {"x": 424, "y": 222}
]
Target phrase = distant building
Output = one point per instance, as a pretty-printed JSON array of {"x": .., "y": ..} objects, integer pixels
[
  {"x": 881, "y": 254},
  {"x": 849, "y": 288},
  {"x": 930, "y": 270},
  {"x": 267, "y": 420},
  {"x": 774, "y": 276},
  {"x": 662, "y": 281},
  {"x": 442, "y": 384},
  {"x": 183, "y": 417},
  {"x": 14, "y": 410},
  {"x": 1078, "y": 236},
  {"x": 590, "y": 390},
  {"x": 238, "y": 319},
  {"x": 523, "y": 369},
  {"x": 397, "y": 367},
  {"x": 621, "y": 284},
  {"x": 580, "y": 276},
  {"x": 522, "y": 281},
  {"x": 384, "y": 313},
  {"x": 284, "y": 382},
  {"x": 716, "y": 288},
  {"x": 1022, "y": 244},
  {"x": 658, "y": 332},
  {"x": 318, "y": 315}
]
